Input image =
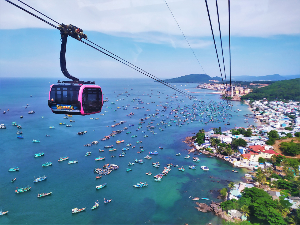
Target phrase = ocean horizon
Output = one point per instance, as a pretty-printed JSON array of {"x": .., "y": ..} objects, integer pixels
[{"x": 171, "y": 118}]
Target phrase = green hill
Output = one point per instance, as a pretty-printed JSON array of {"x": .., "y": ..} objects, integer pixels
[
  {"x": 280, "y": 90},
  {"x": 193, "y": 78}
]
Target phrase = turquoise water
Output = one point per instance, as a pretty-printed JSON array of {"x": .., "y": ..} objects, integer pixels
[{"x": 165, "y": 202}]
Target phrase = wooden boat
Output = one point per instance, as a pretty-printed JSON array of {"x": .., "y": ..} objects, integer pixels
[
  {"x": 76, "y": 210},
  {"x": 44, "y": 194},
  {"x": 3, "y": 213},
  {"x": 96, "y": 205},
  {"x": 107, "y": 200}
]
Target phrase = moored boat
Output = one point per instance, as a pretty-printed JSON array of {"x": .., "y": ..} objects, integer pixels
[
  {"x": 72, "y": 162},
  {"x": 140, "y": 185},
  {"x": 44, "y": 194},
  {"x": 35, "y": 141},
  {"x": 39, "y": 179},
  {"x": 38, "y": 154},
  {"x": 96, "y": 205},
  {"x": 63, "y": 159},
  {"x": 153, "y": 153},
  {"x": 196, "y": 199},
  {"x": 76, "y": 210},
  {"x": 204, "y": 168},
  {"x": 88, "y": 153},
  {"x": 101, "y": 186},
  {"x": 3, "y": 213},
  {"x": 47, "y": 164},
  {"x": 13, "y": 169},
  {"x": 13, "y": 180},
  {"x": 21, "y": 190},
  {"x": 99, "y": 158},
  {"x": 107, "y": 200}
]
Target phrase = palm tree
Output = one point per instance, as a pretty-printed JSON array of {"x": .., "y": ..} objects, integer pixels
[
  {"x": 245, "y": 210},
  {"x": 231, "y": 185}
]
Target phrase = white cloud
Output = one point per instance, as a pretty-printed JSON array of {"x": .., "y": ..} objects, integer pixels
[{"x": 137, "y": 18}]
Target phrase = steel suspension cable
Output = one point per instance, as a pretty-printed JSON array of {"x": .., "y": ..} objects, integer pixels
[
  {"x": 212, "y": 32},
  {"x": 38, "y": 11},
  {"x": 107, "y": 53},
  {"x": 184, "y": 36},
  {"x": 229, "y": 43},
  {"x": 220, "y": 37}
]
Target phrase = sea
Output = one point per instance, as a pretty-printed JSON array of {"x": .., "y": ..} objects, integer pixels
[{"x": 160, "y": 120}]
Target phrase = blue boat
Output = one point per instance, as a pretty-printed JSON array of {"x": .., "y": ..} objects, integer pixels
[
  {"x": 153, "y": 153},
  {"x": 39, "y": 179},
  {"x": 20, "y": 137}
]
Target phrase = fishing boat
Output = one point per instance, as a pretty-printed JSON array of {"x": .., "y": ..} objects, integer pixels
[
  {"x": 39, "y": 179},
  {"x": 204, "y": 168},
  {"x": 153, "y": 153},
  {"x": 157, "y": 179},
  {"x": 38, "y": 154},
  {"x": 187, "y": 157},
  {"x": 88, "y": 153},
  {"x": 149, "y": 173},
  {"x": 20, "y": 137},
  {"x": 205, "y": 198},
  {"x": 21, "y": 190},
  {"x": 181, "y": 169},
  {"x": 128, "y": 169},
  {"x": 99, "y": 158},
  {"x": 193, "y": 167},
  {"x": 98, "y": 177},
  {"x": 47, "y": 164},
  {"x": 107, "y": 200},
  {"x": 101, "y": 150},
  {"x": 160, "y": 147},
  {"x": 140, "y": 185},
  {"x": 51, "y": 127},
  {"x": 196, "y": 199},
  {"x": 108, "y": 146},
  {"x": 76, "y": 210},
  {"x": 62, "y": 123},
  {"x": 2, "y": 126},
  {"x": 68, "y": 125},
  {"x": 3, "y": 213},
  {"x": 196, "y": 159},
  {"x": 44, "y": 194},
  {"x": 19, "y": 127},
  {"x": 178, "y": 154},
  {"x": 13, "y": 180},
  {"x": 14, "y": 124},
  {"x": 35, "y": 141},
  {"x": 72, "y": 162},
  {"x": 101, "y": 186},
  {"x": 63, "y": 159},
  {"x": 130, "y": 164},
  {"x": 96, "y": 205},
  {"x": 13, "y": 169},
  {"x": 31, "y": 112},
  {"x": 19, "y": 132}
]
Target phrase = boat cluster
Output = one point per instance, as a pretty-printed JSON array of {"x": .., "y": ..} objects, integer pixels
[{"x": 106, "y": 170}]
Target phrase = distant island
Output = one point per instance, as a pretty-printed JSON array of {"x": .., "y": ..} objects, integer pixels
[
  {"x": 194, "y": 78},
  {"x": 204, "y": 78},
  {"x": 280, "y": 90}
]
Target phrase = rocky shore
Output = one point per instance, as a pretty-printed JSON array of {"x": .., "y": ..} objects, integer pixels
[{"x": 215, "y": 208}]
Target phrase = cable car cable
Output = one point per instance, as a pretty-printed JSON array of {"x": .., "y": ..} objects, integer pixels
[
  {"x": 229, "y": 42},
  {"x": 116, "y": 57},
  {"x": 38, "y": 11},
  {"x": 184, "y": 36},
  {"x": 212, "y": 32},
  {"x": 220, "y": 37}
]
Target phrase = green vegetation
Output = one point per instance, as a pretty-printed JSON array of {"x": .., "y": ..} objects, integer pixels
[
  {"x": 223, "y": 192},
  {"x": 273, "y": 136},
  {"x": 280, "y": 90},
  {"x": 246, "y": 133},
  {"x": 238, "y": 142},
  {"x": 297, "y": 134},
  {"x": 200, "y": 137},
  {"x": 260, "y": 207},
  {"x": 290, "y": 148}
]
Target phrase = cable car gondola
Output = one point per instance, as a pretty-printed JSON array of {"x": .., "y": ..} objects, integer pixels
[{"x": 73, "y": 97}]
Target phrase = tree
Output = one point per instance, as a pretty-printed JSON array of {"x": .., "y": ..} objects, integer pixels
[
  {"x": 238, "y": 142},
  {"x": 261, "y": 160},
  {"x": 245, "y": 210},
  {"x": 248, "y": 133},
  {"x": 230, "y": 185},
  {"x": 297, "y": 134},
  {"x": 273, "y": 134},
  {"x": 223, "y": 192},
  {"x": 200, "y": 137}
]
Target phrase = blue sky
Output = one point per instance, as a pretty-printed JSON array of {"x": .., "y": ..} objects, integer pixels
[{"x": 265, "y": 38}]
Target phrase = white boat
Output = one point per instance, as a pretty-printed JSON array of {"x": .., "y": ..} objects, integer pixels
[
  {"x": 204, "y": 168},
  {"x": 2, "y": 126}
]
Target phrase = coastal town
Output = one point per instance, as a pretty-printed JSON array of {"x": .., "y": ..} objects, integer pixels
[
  {"x": 235, "y": 92},
  {"x": 256, "y": 149}
]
